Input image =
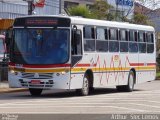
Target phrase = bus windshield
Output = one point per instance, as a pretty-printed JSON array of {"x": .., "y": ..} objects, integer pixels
[
  {"x": 40, "y": 46},
  {"x": 2, "y": 50}
]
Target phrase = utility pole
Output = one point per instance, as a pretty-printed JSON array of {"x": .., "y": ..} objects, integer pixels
[
  {"x": 60, "y": 6},
  {"x": 116, "y": 14},
  {"x": 30, "y": 6}
]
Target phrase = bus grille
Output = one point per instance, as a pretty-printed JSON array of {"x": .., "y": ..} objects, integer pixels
[
  {"x": 40, "y": 75},
  {"x": 41, "y": 85}
]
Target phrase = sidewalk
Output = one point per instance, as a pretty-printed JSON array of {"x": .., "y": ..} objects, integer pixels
[{"x": 4, "y": 88}]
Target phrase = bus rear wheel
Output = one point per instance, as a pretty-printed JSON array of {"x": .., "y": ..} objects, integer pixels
[
  {"x": 35, "y": 92},
  {"x": 85, "y": 88},
  {"x": 130, "y": 86}
]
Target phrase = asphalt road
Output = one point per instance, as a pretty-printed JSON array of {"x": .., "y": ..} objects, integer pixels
[{"x": 145, "y": 99}]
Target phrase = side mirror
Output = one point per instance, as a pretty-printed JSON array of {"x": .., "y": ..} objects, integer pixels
[
  {"x": 77, "y": 37},
  {"x": 8, "y": 38}
]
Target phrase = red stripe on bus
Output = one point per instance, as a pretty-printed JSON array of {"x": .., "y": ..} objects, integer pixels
[
  {"x": 136, "y": 64},
  {"x": 150, "y": 64},
  {"x": 85, "y": 65},
  {"x": 142, "y": 64},
  {"x": 41, "y": 66}
]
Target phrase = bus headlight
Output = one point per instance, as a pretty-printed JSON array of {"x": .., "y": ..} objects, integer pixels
[
  {"x": 12, "y": 71},
  {"x": 63, "y": 73}
]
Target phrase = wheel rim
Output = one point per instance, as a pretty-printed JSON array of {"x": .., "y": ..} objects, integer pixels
[
  {"x": 85, "y": 86},
  {"x": 131, "y": 81}
]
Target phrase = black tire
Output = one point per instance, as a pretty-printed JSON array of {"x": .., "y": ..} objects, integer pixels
[
  {"x": 85, "y": 87},
  {"x": 130, "y": 86},
  {"x": 35, "y": 92}
]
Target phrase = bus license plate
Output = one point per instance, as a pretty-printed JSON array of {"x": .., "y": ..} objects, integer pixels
[{"x": 35, "y": 81}]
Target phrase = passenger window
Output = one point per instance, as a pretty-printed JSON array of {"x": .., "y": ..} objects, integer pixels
[
  {"x": 113, "y": 40},
  {"x": 149, "y": 37},
  {"x": 113, "y": 34},
  {"x": 123, "y": 35},
  {"x": 101, "y": 41},
  {"x": 100, "y": 34},
  {"x": 133, "y": 45},
  {"x": 141, "y": 37},
  {"x": 89, "y": 32},
  {"x": 89, "y": 38},
  {"x": 131, "y": 35},
  {"x": 150, "y": 42},
  {"x": 123, "y": 41},
  {"x": 142, "y": 43}
]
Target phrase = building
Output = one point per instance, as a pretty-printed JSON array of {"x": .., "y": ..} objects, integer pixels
[
  {"x": 122, "y": 8},
  {"x": 10, "y": 9},
  {"x": 154, "y": 16}
]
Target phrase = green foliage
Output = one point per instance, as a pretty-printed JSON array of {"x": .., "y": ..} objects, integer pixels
[
  {"x": 80, "y": 10},
  {"x": 99, "y": 10},
  {"x": 140, "y": 19}
]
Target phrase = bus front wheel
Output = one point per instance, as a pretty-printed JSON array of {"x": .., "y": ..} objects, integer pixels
[
  {"x": 85, "y": 87},
  {"x": 35, "y": 92}
]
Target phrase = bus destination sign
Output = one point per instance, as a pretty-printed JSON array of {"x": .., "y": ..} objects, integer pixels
[{"x": 41, "y": 22}]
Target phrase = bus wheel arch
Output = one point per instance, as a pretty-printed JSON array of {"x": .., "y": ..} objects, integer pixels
[
  {"x": 87, "y": 85},
  {"x": 130, "y": 84}
]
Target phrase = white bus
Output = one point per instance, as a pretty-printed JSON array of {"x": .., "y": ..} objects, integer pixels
[{"x": 59, "y": 52}]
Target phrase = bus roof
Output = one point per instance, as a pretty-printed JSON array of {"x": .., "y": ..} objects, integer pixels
[
  {"x": 124, "y": 25},
  {"x": 85, "y": 21}
]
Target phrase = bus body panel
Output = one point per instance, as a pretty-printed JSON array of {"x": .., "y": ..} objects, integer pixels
[
  {"x": 148, "y": 69},
  {"x": 109, "y": 68}
]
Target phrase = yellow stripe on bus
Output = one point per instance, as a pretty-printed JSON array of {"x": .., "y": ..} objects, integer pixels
[
  {"x": 78, "y": 69},
  {"x": 111, "y": 69},
  {"x": 39, "y": 70}
]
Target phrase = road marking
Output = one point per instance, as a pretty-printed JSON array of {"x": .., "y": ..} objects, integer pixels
[
  {"x": 144, "y": 105},
  {"x": 38, "y": 107}
]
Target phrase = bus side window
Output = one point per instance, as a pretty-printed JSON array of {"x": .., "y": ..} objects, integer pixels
[
  {"x": 142, "y": 42},
  {"x": 76, "y": 42},
  {"x": 133, "y": 46},
  {"x": 113, "y": 40},
  {"x": 89, "y": 38},
  {"x": 101, "y": 40},
  {"x": 123, "y": 35},
  {"x": 150, "y": 42}
]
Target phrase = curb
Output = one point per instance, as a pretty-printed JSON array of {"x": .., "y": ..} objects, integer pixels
[{"x": 11, "y": 90}]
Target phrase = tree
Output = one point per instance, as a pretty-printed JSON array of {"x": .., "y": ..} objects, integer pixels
[
  {"x": 101, "y": 10},
  {"x": 80, "y": 10},
  {"x": 140, "y": 19}
]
